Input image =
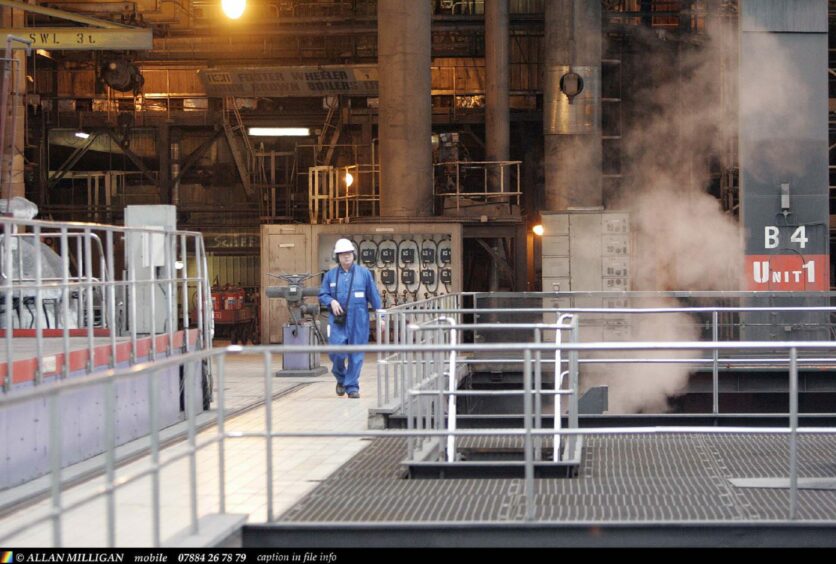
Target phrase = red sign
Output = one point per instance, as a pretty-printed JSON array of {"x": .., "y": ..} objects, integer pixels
[{"x": 788, "y": 273}]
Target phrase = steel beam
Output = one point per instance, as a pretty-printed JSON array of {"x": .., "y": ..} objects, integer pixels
[
  {"x": 72, "y": 160},
  {"x": 134, "y": 158},
  {"x": 83, "y": 38},
  {"x": 61, "y": 14},
  {"x": 541, "y": 535},
  {"x": 197, "y": 154}
]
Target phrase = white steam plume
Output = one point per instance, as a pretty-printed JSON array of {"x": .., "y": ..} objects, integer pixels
[{"x": 682, "y": 238}]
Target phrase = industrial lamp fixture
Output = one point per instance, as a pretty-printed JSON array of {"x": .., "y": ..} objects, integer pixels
[
  {"x": 233, "y": 9},
  {"x": 279, "y": 131}
]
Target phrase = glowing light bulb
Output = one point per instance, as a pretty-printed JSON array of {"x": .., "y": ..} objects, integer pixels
[
  {"x": 233, "y": 8},
  {"x": 349, "y": 179},
  {"x": 538, "y": 230}
]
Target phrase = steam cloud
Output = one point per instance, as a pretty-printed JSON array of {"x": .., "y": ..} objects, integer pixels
[{"x": 682, "y": 238}]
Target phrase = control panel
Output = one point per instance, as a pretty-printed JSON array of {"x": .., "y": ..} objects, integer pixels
[{"x": 406, "y": 267}]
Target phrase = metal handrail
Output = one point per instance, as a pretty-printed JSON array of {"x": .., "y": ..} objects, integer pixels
[
  {"x": 86, "y": 283},
  {"x": 486, "y": 168},
  {"x": 152, "y": 369}
]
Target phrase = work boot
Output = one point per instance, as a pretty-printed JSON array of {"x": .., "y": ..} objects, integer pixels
[
  {"x": 354, "y": 395},
  {"x": 340, "y": 390}
]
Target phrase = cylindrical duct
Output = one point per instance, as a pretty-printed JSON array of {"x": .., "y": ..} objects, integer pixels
[
  {"x": 405, "y": 108},
  {"x": 572, "y": 104}
]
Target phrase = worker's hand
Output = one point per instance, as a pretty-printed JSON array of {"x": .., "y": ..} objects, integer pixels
[{"x": 336, "y": 308}]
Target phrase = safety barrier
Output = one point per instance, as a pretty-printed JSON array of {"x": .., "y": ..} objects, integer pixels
[
  {"x": 516, "y": 314},
  {"x": 425, "y": 405},
  {"x": 59, "y": 281},
  {"x": 222, "y": 434}
]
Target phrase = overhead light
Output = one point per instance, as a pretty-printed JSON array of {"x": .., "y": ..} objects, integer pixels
[
  {"x": 82, "y": 135},
  {"x": 538, "y": 230},
  {"x": 233, "y": 9},
  {"x": 279, "y": 131},
  {"x": 43, "y": 53},
  {"x": 349, "y": 179}
]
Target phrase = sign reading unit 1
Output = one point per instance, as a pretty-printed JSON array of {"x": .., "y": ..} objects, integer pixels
[{"x": 788, "y": 267}]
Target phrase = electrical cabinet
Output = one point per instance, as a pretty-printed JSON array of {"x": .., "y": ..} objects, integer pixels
[
  {"x": 588, "y": 251},
  {"x": 409, "y": 262}
]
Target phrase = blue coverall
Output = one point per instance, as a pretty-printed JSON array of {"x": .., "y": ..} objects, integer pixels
[{"x": 355, "y": 331}]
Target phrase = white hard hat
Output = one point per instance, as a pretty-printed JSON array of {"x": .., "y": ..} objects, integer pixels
[{"x": 344, "y": 246}]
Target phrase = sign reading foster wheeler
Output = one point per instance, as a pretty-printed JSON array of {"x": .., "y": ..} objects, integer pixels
[{"x": 277, "y": 82}]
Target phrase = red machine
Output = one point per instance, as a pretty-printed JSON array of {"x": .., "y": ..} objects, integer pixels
[{"x": 232, "y": 316}]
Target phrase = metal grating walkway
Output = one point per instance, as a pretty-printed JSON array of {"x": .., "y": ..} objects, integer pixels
[{"x": 623, "y": 478}]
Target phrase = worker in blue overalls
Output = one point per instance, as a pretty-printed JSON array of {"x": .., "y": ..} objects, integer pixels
[{"x": 347, "y": 290}]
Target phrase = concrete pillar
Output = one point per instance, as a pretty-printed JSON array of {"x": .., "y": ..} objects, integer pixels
[
  {"x": 405, "y": 115},
  {"x": 572, "y": 128},
  {"x": 497, "y": 125}
]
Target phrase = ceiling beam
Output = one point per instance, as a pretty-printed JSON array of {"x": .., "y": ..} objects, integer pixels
[
  {"x": 83, "y": 38},
  {"x": 62, "y": 14}
]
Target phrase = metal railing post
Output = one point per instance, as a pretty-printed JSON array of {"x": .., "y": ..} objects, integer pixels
[
  {"x": 793, "y": 432},
  {"x": 268, "y": 424},
  {"x": 451, "y": 400},
  {"x": 131, "y": 260},
  {"x": 65, "y": 301},
  {"x": 184, "y": 259},
  {"x": 715, "y": 369},
  {"x": 379, "y": 369},
  {"x": 171, "y": 315},
  {"x": 111, "y": 295},
  {"x": 400, "y": 329},
  {"x": 574, "y": 376},
  {"x": 8, "y": 302},
  {"x": 152, "y": 294},
  {"x": 221, "y": 434},
  {"x": 191, "y": 398},
  {"x": 39, "y": 304},
  {"x": 529, "y": 462},
  {"x": 538, "y": 387},
  {"x": 87, "y": 275}
]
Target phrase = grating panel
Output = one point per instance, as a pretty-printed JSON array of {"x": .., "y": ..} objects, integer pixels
[{"x": 638, "y": 478}]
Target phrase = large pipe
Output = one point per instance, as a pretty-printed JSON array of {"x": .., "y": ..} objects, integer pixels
[
  {"x": 497, "y": 127},
  {"x": 572, "y": 126},
  {"x": 405, "y": 108}
]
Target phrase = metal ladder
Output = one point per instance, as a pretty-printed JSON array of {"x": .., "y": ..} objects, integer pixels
[
  {"x": 250, "y": 168},
  {"x": 331, "y": 133}
]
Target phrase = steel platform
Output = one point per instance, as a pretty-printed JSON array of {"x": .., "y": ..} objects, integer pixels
[{"x": 664, "y": 490}]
